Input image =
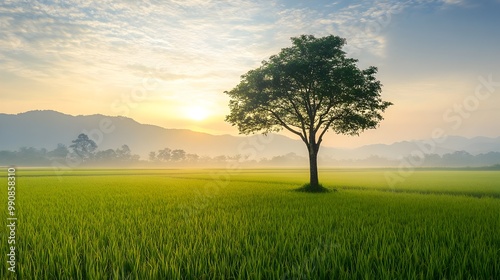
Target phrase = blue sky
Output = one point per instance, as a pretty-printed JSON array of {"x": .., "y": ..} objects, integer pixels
[{"x": 168, "y": 62}]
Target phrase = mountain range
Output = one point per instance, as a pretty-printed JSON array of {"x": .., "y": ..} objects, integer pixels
[{"x": 45, "y": 129}]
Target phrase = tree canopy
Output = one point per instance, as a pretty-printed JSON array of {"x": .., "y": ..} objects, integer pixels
[{"x": 83, "y": 146}]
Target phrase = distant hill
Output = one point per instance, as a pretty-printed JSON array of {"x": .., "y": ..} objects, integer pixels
[
  {"x": 474, "y": 146},
  {"x": 45, "y": 129}
]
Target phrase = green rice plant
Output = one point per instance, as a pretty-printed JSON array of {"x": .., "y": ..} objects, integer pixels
[{"x": 251, "y": 224}]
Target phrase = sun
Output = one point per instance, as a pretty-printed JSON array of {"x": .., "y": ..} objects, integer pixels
[{"x": 197, "y": 113}]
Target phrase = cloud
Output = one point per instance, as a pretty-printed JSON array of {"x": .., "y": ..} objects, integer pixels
[
  {"x": 200, "y": 45},
  {"x": 454, "y": 2},
  {"x": 195, "y": 37}
]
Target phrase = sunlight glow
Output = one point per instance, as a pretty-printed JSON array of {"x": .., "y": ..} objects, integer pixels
[{"x": 197, "y": 113}]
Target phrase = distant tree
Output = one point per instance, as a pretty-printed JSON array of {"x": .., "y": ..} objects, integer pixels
[
  {"x": 192, "y": 158},
  {"x": 458, "y": 158},
  {"x": 220, "y": 159},
  {"x": 204, "y": 159},
  {"x": 152, "y": 156},
  {"x": 178, "y": 155},
  {"x": 28, "y": 152},
  {"x": 288, "y": 159},
  {"x": 164, "y": 155},
  {"x": 308, "y": 89},
  {"x": 432, "y": 160},
  {"x": 60, "y": 152},
  {"x": 8, "y": 157},
  {"x": 235, "y": 158},
  {"x": 32, "y": 156},
  {"x": 124, "y": 154},
  {"x": 134, "y": 158},
  {"x": 108, "y": 155},
  {"x": 83, "y": 147},
  {"x": 490, "y": 158},
  {"x": 121, "y": 155}
]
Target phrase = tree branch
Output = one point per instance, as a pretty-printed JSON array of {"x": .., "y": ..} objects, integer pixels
[
  {"x": 327, "y": 126},
  {"x": 321, "y": 116},
  {"x": 299, "y": 115},
  {"x": 285, "y": 125}
]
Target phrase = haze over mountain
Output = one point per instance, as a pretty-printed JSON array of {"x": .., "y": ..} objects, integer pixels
[{"x": 45, "y": 129}]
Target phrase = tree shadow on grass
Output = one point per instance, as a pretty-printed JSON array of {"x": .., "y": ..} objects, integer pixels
[{"x": 308, "y": 188}]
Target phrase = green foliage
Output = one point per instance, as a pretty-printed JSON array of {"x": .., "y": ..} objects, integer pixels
[
  {"x": 84, "y": 147},
  {"x": 250, "y": 224},
  {"x": 309, "y": 87},
  {"x": 60, "y": 152}
]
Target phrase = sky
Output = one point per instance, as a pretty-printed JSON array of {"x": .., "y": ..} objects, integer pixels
[{"x": 168, "y": 63}]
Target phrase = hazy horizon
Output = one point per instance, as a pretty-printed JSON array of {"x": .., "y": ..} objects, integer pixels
[
  {"x": 242, "y": 135},
  {"x": 44, "y": 138}
]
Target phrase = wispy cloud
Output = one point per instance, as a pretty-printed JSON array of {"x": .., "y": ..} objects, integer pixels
[
  {"x": 202, "y": 46},
  {"x": 454, "y": 2},
  {"x": 194, "y": 37}
]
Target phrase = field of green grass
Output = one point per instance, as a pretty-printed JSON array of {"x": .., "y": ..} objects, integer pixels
[{"x": 251, "y": 224}]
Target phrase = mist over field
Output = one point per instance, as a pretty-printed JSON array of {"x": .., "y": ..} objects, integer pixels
[{"x": 42, "y": 138}]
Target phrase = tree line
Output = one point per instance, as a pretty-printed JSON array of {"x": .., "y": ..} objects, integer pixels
[
  {"x": 83, "y": 150},
  {"x": 86, "y": 151}
]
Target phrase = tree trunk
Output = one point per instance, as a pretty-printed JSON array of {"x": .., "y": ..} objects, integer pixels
[{"x": 313, "y": 168}]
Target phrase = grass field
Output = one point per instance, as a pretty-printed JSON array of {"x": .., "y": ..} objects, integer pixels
[{"x": 250, "y": 224}]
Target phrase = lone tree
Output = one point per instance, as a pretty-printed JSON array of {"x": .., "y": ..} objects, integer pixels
[
  {"x": 308, "y": 88},
  {"x": 84, "y": 147}
]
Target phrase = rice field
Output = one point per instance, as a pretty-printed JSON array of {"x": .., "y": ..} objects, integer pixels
[{"x": 250, "y": 224}]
